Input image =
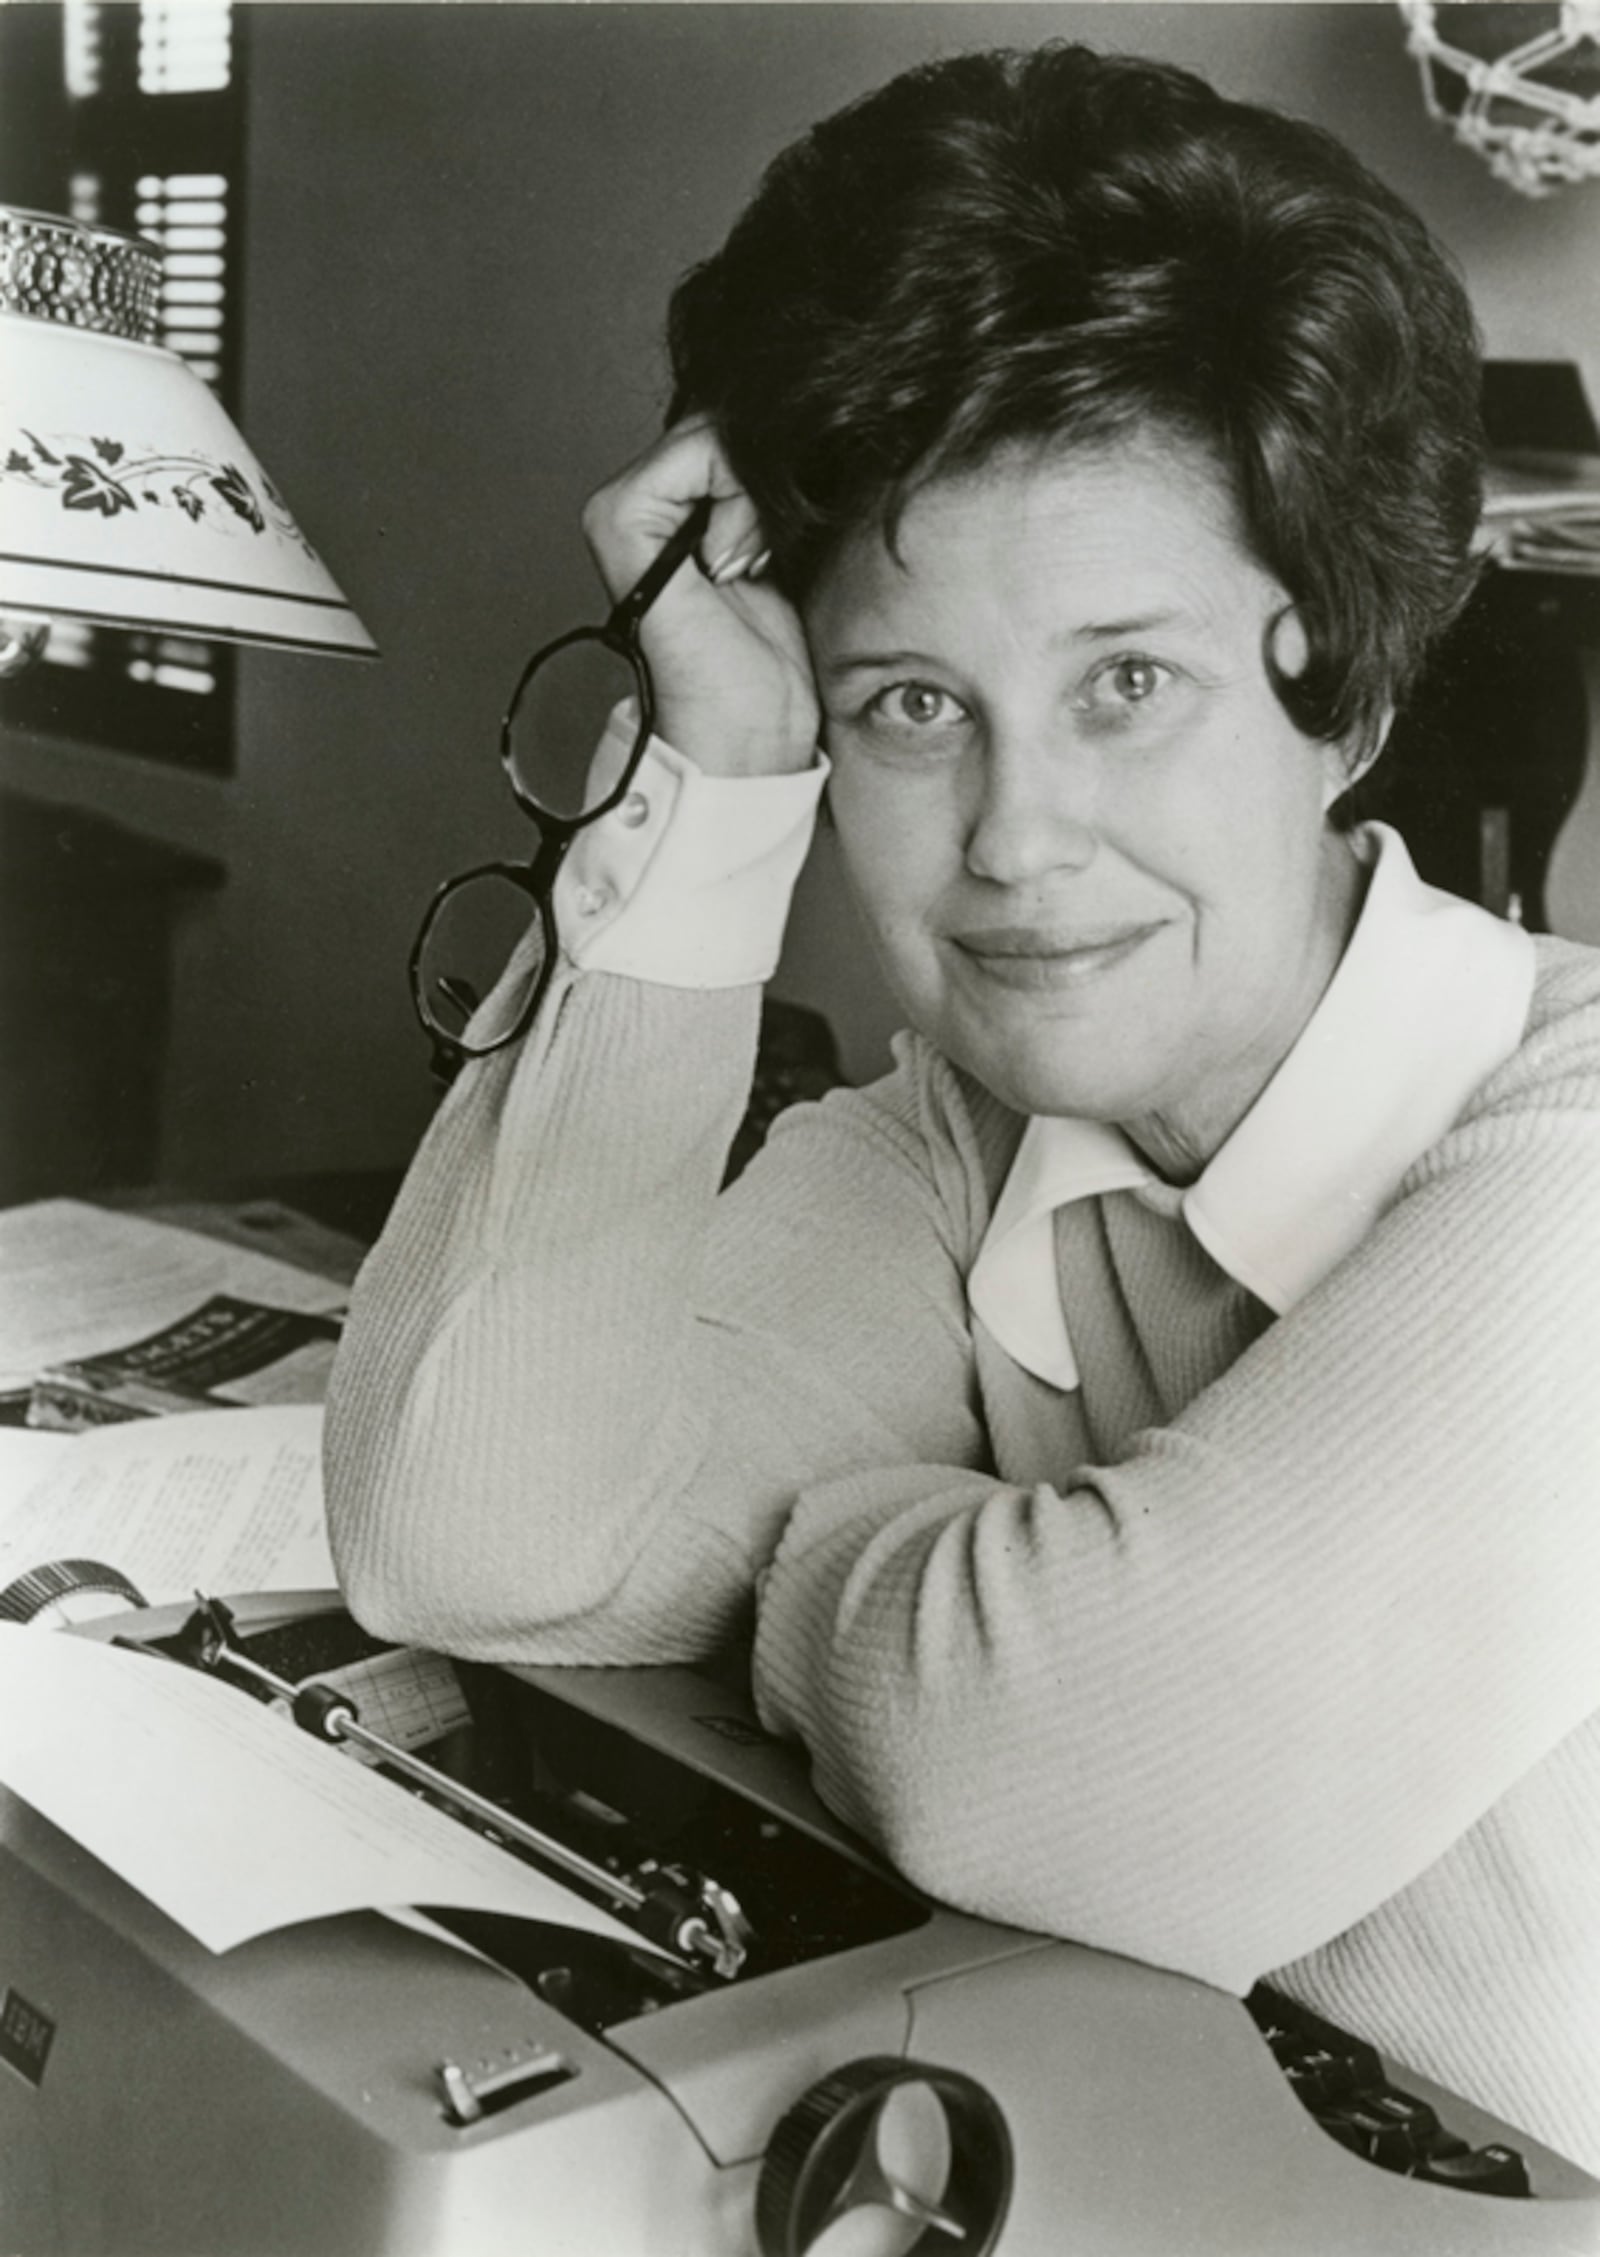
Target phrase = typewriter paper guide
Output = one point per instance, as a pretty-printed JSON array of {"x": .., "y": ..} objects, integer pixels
[{"x": 224, "y": 1814}]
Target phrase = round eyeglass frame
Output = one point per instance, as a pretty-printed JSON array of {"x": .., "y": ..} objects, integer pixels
[{"x": 618, "y": 634}]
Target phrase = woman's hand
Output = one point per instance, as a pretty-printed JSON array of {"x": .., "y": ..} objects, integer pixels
[{"x": 727, "y": 655}]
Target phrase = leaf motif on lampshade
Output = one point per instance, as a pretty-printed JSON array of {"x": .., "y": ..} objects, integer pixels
[{"x": 201, "y": 487}]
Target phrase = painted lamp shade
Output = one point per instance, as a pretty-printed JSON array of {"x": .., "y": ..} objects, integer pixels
[{"x": 127, "y": 496}]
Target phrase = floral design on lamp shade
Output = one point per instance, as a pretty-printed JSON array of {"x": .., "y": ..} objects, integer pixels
[{"x": 98, "y": 474}]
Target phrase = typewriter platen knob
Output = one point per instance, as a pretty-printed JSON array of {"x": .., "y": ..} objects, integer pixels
[
  {"x": 928, "y": 2147},
  {"x": 70, "y": 1590}
]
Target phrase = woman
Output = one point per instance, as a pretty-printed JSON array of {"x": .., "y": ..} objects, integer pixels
[{"x": 1155, "y": 1425}]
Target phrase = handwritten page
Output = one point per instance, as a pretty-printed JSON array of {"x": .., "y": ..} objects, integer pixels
[
  {"x": 76, "y": 1280},
  {"x": 225, "y": 1814},
  {"x": 215, "y": 1500}
]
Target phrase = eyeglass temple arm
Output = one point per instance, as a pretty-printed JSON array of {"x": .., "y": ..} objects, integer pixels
[{"x": 631, "y": 608}]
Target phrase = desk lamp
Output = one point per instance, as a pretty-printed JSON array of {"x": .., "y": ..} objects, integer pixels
[{"x": 127, "y": 497}]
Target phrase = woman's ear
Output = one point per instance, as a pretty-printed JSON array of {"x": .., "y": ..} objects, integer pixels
[
  {"x": 1287, "y": 646},
  {"x": 1345, "y": 760}
]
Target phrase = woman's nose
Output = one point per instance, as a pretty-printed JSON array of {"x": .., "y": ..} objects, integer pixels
[{"x": 1033, "y": 816}]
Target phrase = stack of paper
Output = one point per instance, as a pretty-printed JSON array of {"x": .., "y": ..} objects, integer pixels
[
  {"x": 107, "y": 1318},
  {"x": 212, "y": 1500},
  {"x": 1542, "y": 512}
]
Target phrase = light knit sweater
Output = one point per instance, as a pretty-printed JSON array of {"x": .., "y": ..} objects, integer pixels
[{"x": 1271, "y": 1648}]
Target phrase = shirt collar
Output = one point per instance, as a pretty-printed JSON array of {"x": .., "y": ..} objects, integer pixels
[{"x": 1430, "y": 997}]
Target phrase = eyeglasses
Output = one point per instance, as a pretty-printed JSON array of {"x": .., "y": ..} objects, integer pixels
[{"x": 478, "y": 922}]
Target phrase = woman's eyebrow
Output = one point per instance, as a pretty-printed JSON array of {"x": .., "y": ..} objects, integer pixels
[
  {"x": 871, "y": 661},
  {"x": 1140, "y": 623}
]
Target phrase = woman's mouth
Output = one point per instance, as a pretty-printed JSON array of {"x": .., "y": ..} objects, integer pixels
[{"x": 1036, "y": 958}]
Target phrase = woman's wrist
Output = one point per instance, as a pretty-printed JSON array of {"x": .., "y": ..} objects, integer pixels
[{"x": 735, "y": 744}]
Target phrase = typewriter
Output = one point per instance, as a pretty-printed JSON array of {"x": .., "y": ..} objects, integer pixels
[{"x": 798, "y": 2053}]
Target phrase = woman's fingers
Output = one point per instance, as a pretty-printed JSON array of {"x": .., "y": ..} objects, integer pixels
[
  {"x": 727, "y": 657},
  {"x": 626, "y": 521}
]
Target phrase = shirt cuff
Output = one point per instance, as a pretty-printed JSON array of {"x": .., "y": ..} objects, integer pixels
[{"x": 686, "y": 883}]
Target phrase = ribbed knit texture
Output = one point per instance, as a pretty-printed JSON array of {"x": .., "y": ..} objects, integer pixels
[{"x": 1271, "y": 1649}]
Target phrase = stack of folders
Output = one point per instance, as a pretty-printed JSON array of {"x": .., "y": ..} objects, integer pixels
[{"x": 1542, "y": 512}]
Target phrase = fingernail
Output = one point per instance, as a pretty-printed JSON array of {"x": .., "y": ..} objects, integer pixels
[
  {"x": 733, "y": 566},
  {"x": 760, "y": 564}
]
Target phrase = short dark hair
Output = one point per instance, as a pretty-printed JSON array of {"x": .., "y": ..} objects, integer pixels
[{"x": 1058, "y": 245}]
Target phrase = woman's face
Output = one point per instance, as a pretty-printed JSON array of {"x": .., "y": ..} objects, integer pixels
[{"x": 1089, "y": 842}]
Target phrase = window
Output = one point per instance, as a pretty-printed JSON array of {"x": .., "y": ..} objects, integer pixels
[{"x": 132, "y": 116}]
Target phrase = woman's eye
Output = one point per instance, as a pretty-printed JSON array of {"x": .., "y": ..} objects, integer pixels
[
  {"x": 915, "y": 705},
  {"x": 1118, "y": 688},
  {"x": 1135, "y": 679}
]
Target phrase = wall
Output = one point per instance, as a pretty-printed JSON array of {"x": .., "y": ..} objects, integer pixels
[{"x": 464, "y": 223}]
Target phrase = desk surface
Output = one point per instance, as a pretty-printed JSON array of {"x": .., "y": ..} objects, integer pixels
[{"x": 297, "y": 1228}]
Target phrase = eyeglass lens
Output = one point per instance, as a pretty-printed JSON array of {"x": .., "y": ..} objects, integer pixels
[
  {"x": 564, "y": 708},
  {"x": 474, "y": 930}
]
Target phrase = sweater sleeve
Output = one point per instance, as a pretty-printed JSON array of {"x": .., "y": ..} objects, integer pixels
[
  {"x": 579, "y": 1391},
  {"x": 1212, "y": 1704}
]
